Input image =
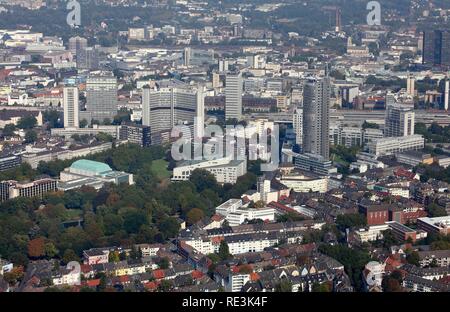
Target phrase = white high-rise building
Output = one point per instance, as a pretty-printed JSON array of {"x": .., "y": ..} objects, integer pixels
[
  {"x": 399, "y": 120},
  {"x": 200, "y": 118},
  {"x": 71, "y": 107},
  {"x": 316, "y": 117},
  {"x": 447, "y": 93},
  {"x": 233, "y": 96},
  {"x": 298, "y": 126}
]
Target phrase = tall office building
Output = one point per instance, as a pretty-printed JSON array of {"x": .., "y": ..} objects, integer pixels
[
  {"x": 389, "y": 99},
  {"x": 71, "y": 107},
  {"x": 316, "y": 117},
  {"x": 76, "y": 44},
  {"x": 199, "y": 125},
  {"x": 233, "y": 96},
  {"x": 436, "y": 47},
  {"x": 447, "y": 93},
  {"x": 298, "y": 126},
  {"x": 164, "y": 108},
  {"x": 223, "y": 65},
  {"x": 101, "y": 98},
  {"x": 399, "y": 121},
  {"x": 87, "y": 58},
  {"x": 196, "y": 57},
  {"x": 411, "y": 85}
]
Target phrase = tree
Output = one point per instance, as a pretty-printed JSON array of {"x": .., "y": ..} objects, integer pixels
[
  {"x": 203, "y": 179},
  {"x": 14, "y": 276},
  {"x": 324, "y": 287},
  {"x": 114, "y": 256},
  {"x": 413, "y": 257},
  {"x": 283, "y": 286},
  {"x": 165, "y": 286},
  {"x": 436, "y": 211},
  {"x": 350, "y": 220},
  {"x": 8, "y": 130},
  {"x": 53, "y": 118},
  {"x": 70, "y": 255},
  {"x": 83, "y": 123},
  {"x": 31, "y": 136},
  {"x": 28, "y": 122},
  {"x": 169, "y": 227},
  {"x": 194, "y": 215},
  {"x": 36, "y": 248},
  {"x": 224, "y": 251},
  {"x": 133, "y": 220},
  {"x": 50, "y": 250},
  {"x": 104, "y": 137},
  {"x": 163, "y": 263},
  {"x": 369, "y": 125}
]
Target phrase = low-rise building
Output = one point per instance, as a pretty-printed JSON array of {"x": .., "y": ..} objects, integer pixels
[
  {"x": 13, "y": 189},
  {"x": 393, "y": 145},
  {"x": 438, "y": 225},
  {"x": 88, "y": 172},
  {"x": 437, "y": 257},
  {"x": 225, "y": 170}
]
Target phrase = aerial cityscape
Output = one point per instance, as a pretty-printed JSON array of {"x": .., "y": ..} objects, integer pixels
[{"x": 209, "y": 146}]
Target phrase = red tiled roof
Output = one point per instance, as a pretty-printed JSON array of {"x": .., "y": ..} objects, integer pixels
[
  {"x": 159, "y": 274},
  {"x": 196, "y": 274},
  {"x": 93, "y": 283},
  {"x": 217, "y": 239},
  {"x": 151, "y": 285},
  {"x": 124, "y": 279},
  {"x": 254, "y": 277},
  {"x": 86, "y": 268}
]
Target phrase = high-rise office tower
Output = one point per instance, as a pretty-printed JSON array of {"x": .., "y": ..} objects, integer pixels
[
  {"x": 223, "y": 65},
  {"x": 399, "y": 121},
  {"x": 316, "y": 111},
  {"x": 87, "y": 58},
  {"x": 101, "y": 98},
  {"x": 76, "y": 44},
  {"x": 436, "y": 47},
  {"x": 199, "y": 125},
  {"x": 447, "y": 93},
  {"x": 233, "y": 96},
  {"x": 197, "y": 57},
  {"x": 71, "y": 107},
  {"x": 411, "y": 85},
  {"x": 164, "y": 108},
  {"x": 298, "y": 126},
  {"x": 215, "y": 80},
  {"x": 389, "y": 99}
]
